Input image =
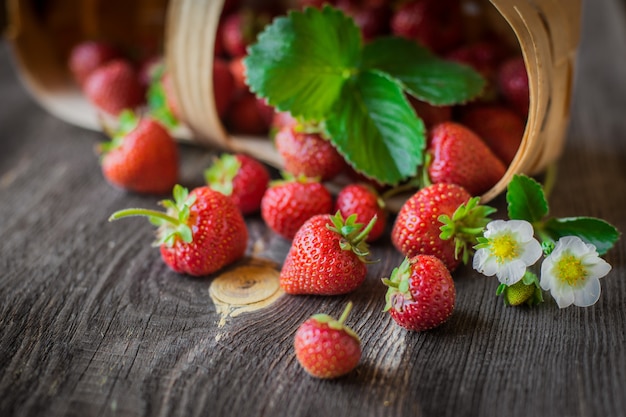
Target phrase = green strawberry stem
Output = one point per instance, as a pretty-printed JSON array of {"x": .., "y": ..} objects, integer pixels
[
  {"x": 346, "y": 313},
  {"x": 353, "y": 236},
  {"x": 131, "y": 212},
  {"x": 332, "y": 323}
]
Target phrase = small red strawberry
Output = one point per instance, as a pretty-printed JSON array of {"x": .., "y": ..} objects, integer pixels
[
  {"x": 326, "y": 347},
  {"x": 240, "y": 28},
  {"x": 223, "y": 86},
  {"x": 238, "y": 70},
  {"x": 87, "y": 56},
  {"x": 201, "y": 232},
  {"x": 114, "y": 87},
  {"x": 287, "y": 204},
  {"x": 441, "y": 220},
  {"x": 430, "y": 115},
  {"x": 366, "y": 203},
  {"x": 460, "y": 157},
  {"x": 327, "y": 256},
  {"x": 484, "y": 56},
  {"x": 499, "y": 127},
  {"x": 308, "y": 154},
  {"x": 142, "y": 157},
  {"x": 244, "y": 116},
  {"x": 373, "y": 20},
  {"x": 436, "y": 24},
  {"x": 421, "y": 293},
  {"x": 241, "y": 177},
  {"x": 513, "y": 84}
]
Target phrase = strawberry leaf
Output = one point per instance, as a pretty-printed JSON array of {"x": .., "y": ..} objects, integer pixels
[
  {"x": 423, "y": 74},
  {"x": 375, "y": 128},
  {"x": 526, "y": 199},
  {"x": 301, "y": 62},
  {"x": 592, "y": 230}
]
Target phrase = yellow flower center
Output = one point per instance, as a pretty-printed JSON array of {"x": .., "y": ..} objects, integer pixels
[
  {"x": 504, "y": 248},
  {"x": 571, "y": 271}
]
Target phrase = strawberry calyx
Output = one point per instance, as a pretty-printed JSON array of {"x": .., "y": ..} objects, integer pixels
[
  {"x": 525, "y": 291},
  {"x": 465, "y": 226},
  {"x": 287, "y": 177},
  {"x": 353, "y": 234},
  {"x": 398, "y": 292},
  {"x": 173, "y": 224},
  {"x": 338, "y": 324},
  {"x": 127, "y": 121},
  {"x": 221, "y": 174}
]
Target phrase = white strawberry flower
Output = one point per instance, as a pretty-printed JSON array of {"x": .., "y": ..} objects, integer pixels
[
  {"x": 506, "y": 250},
  {"x": 572, "y": 272}
]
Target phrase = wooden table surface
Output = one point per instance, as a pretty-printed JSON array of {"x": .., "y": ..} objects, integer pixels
[{"x": 93, "y": 323}]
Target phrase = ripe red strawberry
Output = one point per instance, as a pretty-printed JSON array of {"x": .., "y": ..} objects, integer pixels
[
  {"x": 441, "y": 220},
  {"x": 366, "y": 203},
  {"x": 143, "y": 157},
  {"x": 421, "y": 293},
  {"x": 286, "y": 205},
  {"x": 484, "y": 56},
  {"x": 513, "y": 84},
  {"x": 430, "y": 115},
  {"x": 238, "y": 70},
  {"x": 244, "y": 116},
  {"x": 240, "y": 28},
  {"x": 327, "y": 348},
  {"x": 460, "y": 157},
  {"x": 499, "y": 127},
  {"x": 223, "y": 86},
  {"x": 436, "y": 24},
  {"x": 241, "y": 177},
  {"x": 308, "y": 154},
  {"x": 201, "y": 232},
  {"x": 373, "y": 20},
  {"x": 114, "y": 87},
  {"x": 87, "y": 56},
  {"x": 327, "y": 256}
]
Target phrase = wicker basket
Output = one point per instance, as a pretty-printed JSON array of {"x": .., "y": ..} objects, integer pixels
[{"x": 547, "y": 32}]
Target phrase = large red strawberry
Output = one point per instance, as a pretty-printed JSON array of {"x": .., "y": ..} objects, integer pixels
[
  {"x": 143, "y": 157},
  {"x": 442, "y": 220},
  {"x": 308, "y": 154},
  {"x": 114, "y": 87},
  {"x": 513, "y": 84},
  {"x": 327, "y": 256},
  {"x": 364, "y": 201},
  {"x": 421, "y": 293},
  {"x": 241, "y": 177},
  {"x": 327, "y": 348},
  {"x": 500, "y": 128},
  {"x": 87, "y": 56},
  {"x": 436, "y": 24},
  {"x": 201, "y": 232},
  {"x": 223, "y": 86},
  {"x": 460, "y": 157},
  {"x": 286, "y": 205}
]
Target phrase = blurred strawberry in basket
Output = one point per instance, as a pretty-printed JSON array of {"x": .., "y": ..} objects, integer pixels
[
  {"x": 85, "y": 57},
  {"x": 513, "y": 84},
  {"x": 114, "y": 87}
]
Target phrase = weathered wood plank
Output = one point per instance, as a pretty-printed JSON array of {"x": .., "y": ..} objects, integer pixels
[{"x": 93, "y": 323}]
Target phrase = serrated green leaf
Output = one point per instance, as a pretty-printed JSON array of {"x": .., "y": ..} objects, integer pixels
[
  {"x": 526, "y": 199},
  {"x": 301, "y": 62},
  {"x": 598, "y": 232},
  {"x": 376, "y": 130},
  {"x": 423, "y": 74}
]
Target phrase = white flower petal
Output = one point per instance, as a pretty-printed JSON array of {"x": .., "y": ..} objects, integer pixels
[
  {"x": 494, "y": 227},
  {"x": 522, "y": 229},
  {"x": 564, "y": 297},
  {"x": 532, "y": 252},
  {"x": 598, "y": 269},
  {"x": 488, "y": 267},
  {"x": 589, "y": 294},
  {"x": 511, "y": 272}
]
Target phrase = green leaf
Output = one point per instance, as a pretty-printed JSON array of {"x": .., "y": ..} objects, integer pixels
[
  {"x": 526, "y": 199},
  {"x": 375, "y": 128},
  {"x": 301, "y": 62},
  {"x": 592, "y": 230},
  {"x": 423, "y": 74}
]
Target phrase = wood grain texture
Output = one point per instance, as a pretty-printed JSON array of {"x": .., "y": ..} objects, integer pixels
[{"x": 92, "y": 323}]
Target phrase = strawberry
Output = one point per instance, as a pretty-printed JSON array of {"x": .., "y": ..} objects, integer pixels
[
  {"x": 223, "y": 86},
  {"x": 114, "y": 87},
  {"x": 142, "y": 157},
  {"x": 366, "y": 203},
  {"x": 241, "y": 177},
  {"x": 421, "y": 293},
  {"x": 327, "y": 256},
  {"x": 431, "y": 115},
  {"x": 373, "y": 20},
  {"x": 238, "y": 70},
  {"x": 500, "y": 128},
  {"x": 513, "y": 84},
  {"x": 484, "y": 56},
  {"x": 436, "y": 24},
  {"x": 287, "y": 204},
  {"x": 460, "y": 157},
  {"x": 85, "y": 57},
  {"x": 201, "y": 232},
  {"x": 525, "y": 291},
  {"x": 327, "y": 348},
  {"x": 441, "y": 220},
  {"x": 308, "y": 154},
  {"x": 240, "y": 28},
  {"x": 244, "y": 116}
]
